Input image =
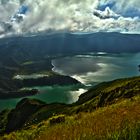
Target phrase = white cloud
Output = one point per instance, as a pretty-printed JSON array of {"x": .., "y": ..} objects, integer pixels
[
  {"x": 107, "y": 13},
  {"x": 71, "y": 15},
  {"x": 123, "y": 6}
]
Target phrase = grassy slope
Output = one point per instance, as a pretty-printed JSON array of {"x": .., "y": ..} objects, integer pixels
[
  {"x": 118, "y": 121},
  {"x": 107, "y": 93},
  {"x": 119, "y": 117}
]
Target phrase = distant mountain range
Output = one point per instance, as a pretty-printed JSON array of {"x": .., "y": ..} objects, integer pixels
[{"x": 66, "y": 43}]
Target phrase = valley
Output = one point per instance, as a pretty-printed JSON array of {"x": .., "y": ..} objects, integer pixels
[
  {"x": 54, "y": 78},
  {"x": 70, "y": 70}
]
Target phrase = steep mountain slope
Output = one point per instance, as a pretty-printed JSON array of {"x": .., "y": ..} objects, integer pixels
[
  {"x": 109, "y": 92},
  {"x": 102, "y": 95}
]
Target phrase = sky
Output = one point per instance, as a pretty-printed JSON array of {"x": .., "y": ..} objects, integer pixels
[{"x": 33, "y": 16}]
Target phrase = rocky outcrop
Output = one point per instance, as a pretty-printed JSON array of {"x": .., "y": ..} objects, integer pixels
[{"x": 24, "y": 109}]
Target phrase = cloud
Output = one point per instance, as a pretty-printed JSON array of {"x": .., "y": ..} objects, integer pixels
[
  {"x": 107, "y": 13},
  {"x": 72, "y": 15},
  {"x": 123, "y": 7}
]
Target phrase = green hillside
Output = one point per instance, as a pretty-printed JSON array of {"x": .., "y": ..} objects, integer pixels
[{"x": 110, "y": 110}]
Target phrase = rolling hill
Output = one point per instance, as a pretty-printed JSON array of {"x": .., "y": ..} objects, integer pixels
[{"x": 109, "y": 110}]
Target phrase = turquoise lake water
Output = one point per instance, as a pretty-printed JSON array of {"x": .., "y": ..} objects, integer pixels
[{"x": 89, "y": 69}]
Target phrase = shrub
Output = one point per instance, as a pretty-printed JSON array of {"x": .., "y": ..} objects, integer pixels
[{"x": 57, "y": 119}]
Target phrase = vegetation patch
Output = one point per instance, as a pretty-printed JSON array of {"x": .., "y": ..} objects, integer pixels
[
  {"x": 108, "y": 111},
  {"x": 57, "y": 119}
]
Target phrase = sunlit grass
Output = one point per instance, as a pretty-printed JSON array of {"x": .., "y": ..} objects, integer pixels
[
  {"x": 109, "y": 111},
  {"x": 120, "y": 121}
]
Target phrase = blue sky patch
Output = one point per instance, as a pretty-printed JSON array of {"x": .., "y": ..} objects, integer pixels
[
  {"x": 131, "y": 12},
  {"x": 23, "y": 9},
  {"x": 103, "y": 6}
]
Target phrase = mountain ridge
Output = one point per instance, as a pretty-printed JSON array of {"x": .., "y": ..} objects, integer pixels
[
  {"x": 102, "y": 95},
  {"x": 64, "y": 43}
]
